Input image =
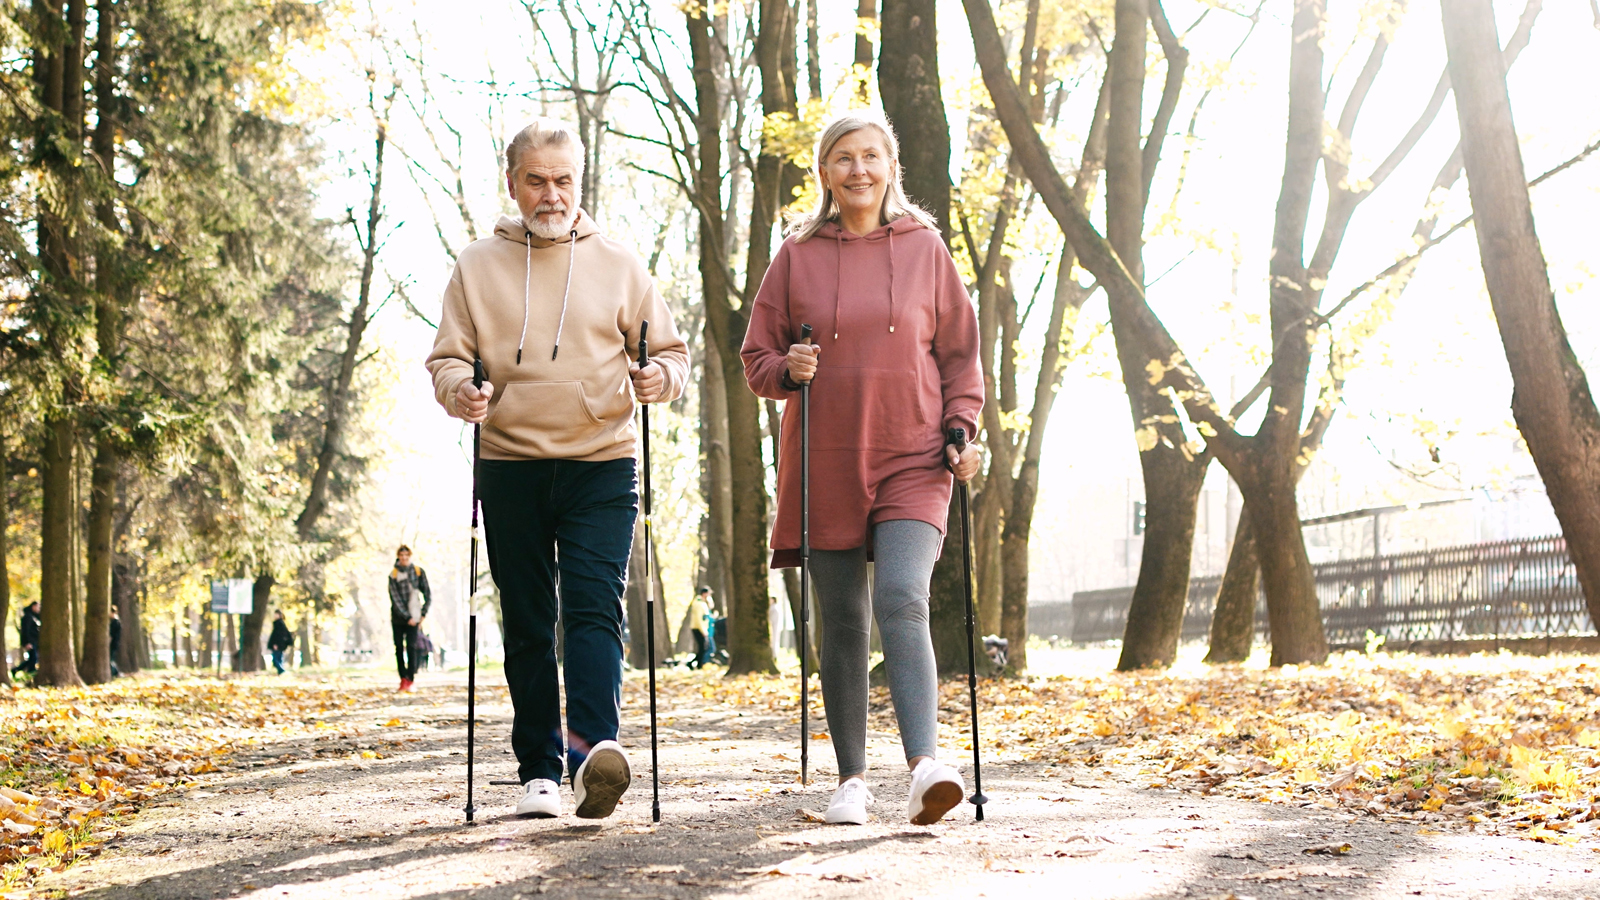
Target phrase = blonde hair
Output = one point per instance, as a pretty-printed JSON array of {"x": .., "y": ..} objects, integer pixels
[
  {"x": 895, "y": 202},
  {"x": 544, "y": 132}
]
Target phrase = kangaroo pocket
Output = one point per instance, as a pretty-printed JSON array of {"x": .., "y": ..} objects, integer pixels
[
  {"x": 866, "y": 408},
  {"x": 542, "y": 419}
]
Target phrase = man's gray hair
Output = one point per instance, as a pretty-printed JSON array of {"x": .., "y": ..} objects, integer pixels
[{"x": 544, "y": 132}]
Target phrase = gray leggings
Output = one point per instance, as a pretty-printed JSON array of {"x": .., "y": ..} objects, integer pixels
[{"x": 904, "y": 552}]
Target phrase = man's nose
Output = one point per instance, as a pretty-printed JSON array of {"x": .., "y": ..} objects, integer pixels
[{"x": 550, "y": 194}]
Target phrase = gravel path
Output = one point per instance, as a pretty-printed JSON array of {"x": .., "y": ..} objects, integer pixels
[{"x": 373, "y": 809}]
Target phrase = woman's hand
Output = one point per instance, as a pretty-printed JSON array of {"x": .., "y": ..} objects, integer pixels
[
  {"x": 802, "y": 361},
  {"x": 964, "y": 464}
]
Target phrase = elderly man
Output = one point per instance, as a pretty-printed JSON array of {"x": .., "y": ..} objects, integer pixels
[{"x": 553, "y": 307}]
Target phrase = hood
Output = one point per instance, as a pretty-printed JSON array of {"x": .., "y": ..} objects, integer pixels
[
  {"x": 833, "y": 232},
  {"x": 512, "y": 229}
]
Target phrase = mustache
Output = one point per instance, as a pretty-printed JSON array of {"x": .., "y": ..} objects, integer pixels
[{"x": 550, "y": 208}]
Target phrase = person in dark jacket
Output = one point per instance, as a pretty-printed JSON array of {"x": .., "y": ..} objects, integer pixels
[
  {"x": 280, "y": 640},
  {"x": 116, "y": 641},
  {"x": 28, "y": 634},
  {"x": 409, "y": 599}
]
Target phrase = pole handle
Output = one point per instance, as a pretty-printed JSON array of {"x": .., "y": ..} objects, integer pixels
[
  {"x": 644, "y": 347},
  {"x": 957, "y": 437},
  {"x": 477, "y": 373},
  {"x": 805, "y": 334}
]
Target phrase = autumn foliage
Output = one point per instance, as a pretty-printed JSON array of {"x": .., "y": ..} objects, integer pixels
[{"x": 1504, "y": 744}]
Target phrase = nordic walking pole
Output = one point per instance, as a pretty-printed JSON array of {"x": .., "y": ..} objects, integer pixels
[
  {"x": 805, "y": 565},
  {"x": 958, "y": 437},
  {"x": 472, "y": 588},
  {"x": 649, "y": 587}
]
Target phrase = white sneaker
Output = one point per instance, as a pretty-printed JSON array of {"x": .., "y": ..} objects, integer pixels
[
  {"x": 849, "y": 804},
  {"x": 935, "y": 790},
  {"x": 541, "y": 799},
  {"x": 601, "y": 780}
]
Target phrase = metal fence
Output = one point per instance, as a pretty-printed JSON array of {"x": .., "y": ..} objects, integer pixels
[{"x": 1507, "y": 589}]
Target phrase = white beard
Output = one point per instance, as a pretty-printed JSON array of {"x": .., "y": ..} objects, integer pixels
[{"x": 557, "y": 231}]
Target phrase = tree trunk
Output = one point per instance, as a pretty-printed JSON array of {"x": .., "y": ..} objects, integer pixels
[
  {"x": 1172, "y": 470},
  {"x": 947, "y": 604},
  {"x": 908, "y": 82},
  {"x": 5, "y": 558},
  {"x": 1293, "y": 613},
  {"x": 718, "y": 480},
  {"x": 58, "y": 663},
  {"x": 1233, "y": 624},
  {"x": 866, "y": 21},
  {"x": 134, "y": 653},
  {"x": 303, "y": 641},
  {"x": 95, "y": 667},
  {"x": 750, "y": 647},
  {"x": 249, "y": 657},
  {"x": 1550, "y": 400},
  {"x": 988, "y": 556},
  {"x": 638, "y": 646},
  {"x": 791, "y": 576}
]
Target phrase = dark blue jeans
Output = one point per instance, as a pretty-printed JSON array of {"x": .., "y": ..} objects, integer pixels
[{"x": 550, "y": 522}]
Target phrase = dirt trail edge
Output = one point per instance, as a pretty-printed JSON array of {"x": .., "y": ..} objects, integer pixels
[{"x": 373, "y": 809}]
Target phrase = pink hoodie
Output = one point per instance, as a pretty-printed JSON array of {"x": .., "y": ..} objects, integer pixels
[{"x": 899, "y": 365}]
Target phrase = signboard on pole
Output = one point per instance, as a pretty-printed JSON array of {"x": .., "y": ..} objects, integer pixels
[{"x": 232, "y": 596}]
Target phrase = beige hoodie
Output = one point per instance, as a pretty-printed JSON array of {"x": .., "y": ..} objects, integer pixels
[{"x": 512, "y": 300}]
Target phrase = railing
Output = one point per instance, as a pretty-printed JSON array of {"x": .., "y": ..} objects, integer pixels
[{"x": 1507, "y": 589}]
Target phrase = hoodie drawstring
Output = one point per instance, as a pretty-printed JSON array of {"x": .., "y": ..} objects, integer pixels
[
  {"x": 527, "y": 282},
  {"x": 838, "y": 287},
  {"x": 891, "y": 279},
  {"x": 572, "y": 258}
]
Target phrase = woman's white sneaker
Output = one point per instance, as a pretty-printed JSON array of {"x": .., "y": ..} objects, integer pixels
[
  {"x": 601, "y": 780},
  {"x": 541, "y": 799},
  {"x": 935, "y": 790},
  {"x": 849, "y": 804}
]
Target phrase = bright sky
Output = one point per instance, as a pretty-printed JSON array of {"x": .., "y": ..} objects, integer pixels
[{"x": 1436, "y": 368}]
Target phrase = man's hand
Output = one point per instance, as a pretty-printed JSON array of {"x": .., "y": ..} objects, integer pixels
[
  {"x": 802, "y": 361},
  {"x": 647, "y": 382},
  {"x": 413, "y": 622},
  {"x": 966, "y": 463},
  {"x": 472, "y": 403}
]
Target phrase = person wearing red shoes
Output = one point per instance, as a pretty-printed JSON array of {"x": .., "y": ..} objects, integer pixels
[{"x": 409, "y": 599}]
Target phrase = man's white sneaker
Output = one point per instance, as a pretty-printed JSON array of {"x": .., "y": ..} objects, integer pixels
[
  {"x": 541, "y": 799},
  {"x": 935, "y": 790},
  {"x": 601, "y": 780},
  {"x": 849, "y": 804}
]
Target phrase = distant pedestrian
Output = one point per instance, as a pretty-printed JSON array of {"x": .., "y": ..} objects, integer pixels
[
  {"x": 697, "y": 619},
  {"x": 28, "y": 632},
  {"x": 280, "y": 640},
  {"x": 409, "y": 599},
  {"x": 116, "y": 641}
]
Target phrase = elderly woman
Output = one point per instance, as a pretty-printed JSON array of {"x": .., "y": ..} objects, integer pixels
[{"x": 894, "y": 366}]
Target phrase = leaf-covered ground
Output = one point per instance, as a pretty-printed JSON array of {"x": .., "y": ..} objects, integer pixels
[
  {"x": 1383, "y": 775},
  {"x": 75, "y": 764},
  {"x": 1505, "y": 743}
]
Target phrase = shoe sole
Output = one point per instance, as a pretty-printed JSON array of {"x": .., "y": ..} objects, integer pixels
[
  {"x": 536, "y": 814},
  {"x": 938, "y": 799},
  {"x": 844, "y": 821},
  {"x": 606, "y": 777}
]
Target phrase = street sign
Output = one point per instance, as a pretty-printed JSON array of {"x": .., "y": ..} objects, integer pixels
[{"x": 232, "y": 596}]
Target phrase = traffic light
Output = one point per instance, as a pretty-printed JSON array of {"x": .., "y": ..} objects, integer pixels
[{"x": 1138, "y": 517}]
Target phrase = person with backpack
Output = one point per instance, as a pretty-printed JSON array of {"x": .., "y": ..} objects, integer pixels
[{"x": 409, "y": 599}]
